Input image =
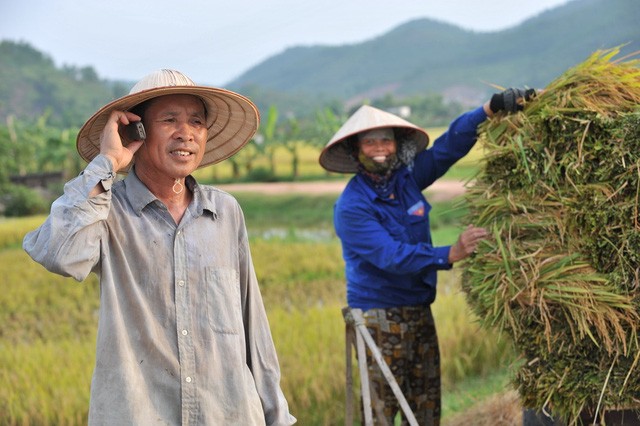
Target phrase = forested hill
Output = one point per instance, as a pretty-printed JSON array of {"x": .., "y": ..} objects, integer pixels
[
  {"x": 430, "y": 56},
  {"x": 31, "y": 86},
  {"x": 421, "y": 57}
]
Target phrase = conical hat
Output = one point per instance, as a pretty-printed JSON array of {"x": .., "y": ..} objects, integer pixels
[
  {"x": 336, "y": 155},
  {"x": 232, "y": 119}
]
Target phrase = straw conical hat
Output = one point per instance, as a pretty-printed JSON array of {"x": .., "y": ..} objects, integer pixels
[
  {"x": 232, "y": 119},
  {"x": 336, "y": 155}
]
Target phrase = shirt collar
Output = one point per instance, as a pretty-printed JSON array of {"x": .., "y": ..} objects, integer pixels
[
  {"x": 139, "y": 195},
  {"x": 201, "y": 199}
]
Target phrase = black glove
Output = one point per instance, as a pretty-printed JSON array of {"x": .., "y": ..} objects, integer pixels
[{"x": 508, "y": 100}]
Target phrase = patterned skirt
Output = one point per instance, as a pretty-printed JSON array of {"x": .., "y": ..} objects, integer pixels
[{"x": 408, "y": 342}]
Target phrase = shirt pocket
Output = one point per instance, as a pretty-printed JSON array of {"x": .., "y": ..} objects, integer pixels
[
  {"x": 223, "y": 300},
  {"x": 418, "y": 227}
]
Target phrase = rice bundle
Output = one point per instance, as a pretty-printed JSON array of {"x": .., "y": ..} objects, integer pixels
[{"x": 560, "y": 192}]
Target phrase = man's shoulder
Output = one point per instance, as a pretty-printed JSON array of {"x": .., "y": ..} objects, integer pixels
[
  {"x": 214, "y": 191},
  {"x": 217, "y": 196}
]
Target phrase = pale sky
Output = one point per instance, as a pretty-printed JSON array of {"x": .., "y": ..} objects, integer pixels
[{"x": 215, "y": 41}]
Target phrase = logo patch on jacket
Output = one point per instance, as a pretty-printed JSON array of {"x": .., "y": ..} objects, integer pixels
[{"x": 417, "y": 209}]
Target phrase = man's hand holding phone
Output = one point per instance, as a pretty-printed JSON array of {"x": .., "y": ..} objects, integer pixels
[
  {"x": 134, "y": 131},
  {"x": 115, "y": 141}
]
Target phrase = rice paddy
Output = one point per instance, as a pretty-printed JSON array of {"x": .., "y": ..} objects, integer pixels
[{"x": 47, "y": 342}]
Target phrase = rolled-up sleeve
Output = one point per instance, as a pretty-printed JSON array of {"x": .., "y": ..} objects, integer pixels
[{"x": 68, "y": 242}]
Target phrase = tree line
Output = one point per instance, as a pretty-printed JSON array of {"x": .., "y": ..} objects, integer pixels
[{"x": 31, "y": 146}]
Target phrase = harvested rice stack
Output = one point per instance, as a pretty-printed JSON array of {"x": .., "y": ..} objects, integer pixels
[{"x": 560, "y": 192}]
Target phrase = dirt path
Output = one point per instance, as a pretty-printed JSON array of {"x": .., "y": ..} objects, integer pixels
[{"x": 441, "y": 190}]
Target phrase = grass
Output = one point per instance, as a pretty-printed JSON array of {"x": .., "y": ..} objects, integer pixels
[
  {"x": 46, "y": 382},
  {"x": 12, "y": 230},
  {"x": 47, "y": 342},
  {"x": 287, "y": 211},
  {"x": 473, "y": 390}
]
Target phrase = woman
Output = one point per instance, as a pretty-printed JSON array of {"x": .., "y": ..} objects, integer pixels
[{"x": 382, "y": 220}]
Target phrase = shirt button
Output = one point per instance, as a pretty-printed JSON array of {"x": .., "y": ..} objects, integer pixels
[
  {"x": 184, "y": 332},
  {"x": 181, "y": 283},
  {"x": 188, "y": 379}
]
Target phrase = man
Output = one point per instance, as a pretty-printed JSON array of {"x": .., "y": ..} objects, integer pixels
[{"x": 183, "y": 337}]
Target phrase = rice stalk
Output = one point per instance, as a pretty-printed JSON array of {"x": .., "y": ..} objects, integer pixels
[{"x": 559, "y": 190}]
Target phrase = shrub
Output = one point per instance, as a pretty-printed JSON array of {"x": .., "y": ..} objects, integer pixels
[
  {"x": 261, "y": 174},
  {"x": 23, "y": 201}
]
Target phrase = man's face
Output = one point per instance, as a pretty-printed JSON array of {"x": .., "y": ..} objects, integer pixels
[{"x": 176, "y": 137}]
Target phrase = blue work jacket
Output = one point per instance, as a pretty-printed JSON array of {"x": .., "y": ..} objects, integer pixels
[{"x": 386, "y": 242}]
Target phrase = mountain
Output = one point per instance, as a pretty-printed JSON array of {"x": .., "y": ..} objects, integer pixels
[
  {"x": 32, "y": 86},
  {"x": 420, "y": 58},
  {"x": 425, "y": 56}
]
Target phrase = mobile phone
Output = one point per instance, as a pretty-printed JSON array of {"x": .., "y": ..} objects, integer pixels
[{"x": 135, "y": 131}]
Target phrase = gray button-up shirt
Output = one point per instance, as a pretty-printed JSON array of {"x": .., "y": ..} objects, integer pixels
[{"x": 183, "y": 337}]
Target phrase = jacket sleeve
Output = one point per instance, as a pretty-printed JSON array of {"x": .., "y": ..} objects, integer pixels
[
  {"x": 450, "y": 147},
  {"x": 68, "y": 242},
  {"x": 261, "y": 353}
]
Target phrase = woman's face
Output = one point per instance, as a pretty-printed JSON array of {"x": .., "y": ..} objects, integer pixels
[{"x": 377, "y": 144}]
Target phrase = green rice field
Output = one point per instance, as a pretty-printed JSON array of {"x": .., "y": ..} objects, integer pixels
[{"x": 48, "y": 322}]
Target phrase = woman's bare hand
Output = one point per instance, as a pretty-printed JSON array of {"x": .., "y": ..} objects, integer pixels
[{"x": 467, "y": 243}]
